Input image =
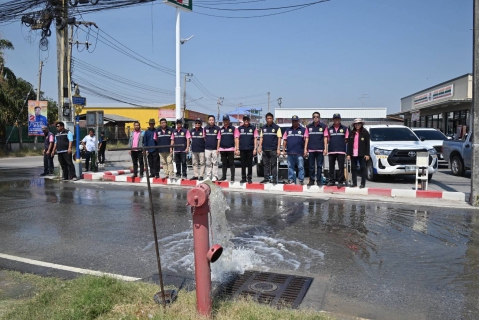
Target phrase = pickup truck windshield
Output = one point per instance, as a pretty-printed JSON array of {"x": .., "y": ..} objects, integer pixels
[
  {"x": 392, "y": 134},
  {"x": 430, "y": 134}
]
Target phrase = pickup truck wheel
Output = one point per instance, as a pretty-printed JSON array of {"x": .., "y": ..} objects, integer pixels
[
  {"x": 370, "y": 172},
  {"x": 457, "y": 166}
]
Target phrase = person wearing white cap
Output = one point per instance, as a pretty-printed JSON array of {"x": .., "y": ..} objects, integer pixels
[{"x": 358, "y": 151}]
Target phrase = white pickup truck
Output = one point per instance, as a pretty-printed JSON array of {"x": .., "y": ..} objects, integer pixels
[{"x": 393, "y": 152}]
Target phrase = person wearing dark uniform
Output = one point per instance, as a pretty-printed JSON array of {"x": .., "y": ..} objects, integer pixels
[
  {"x": 226, "y": 147},
  {"x": 150, "y": 139},
  {"x": 197, "y": 135},
  {"x": 358, "y": 150},
  {"x": 317, "y": 148},
  {"x": 338, "y": 135},
  {"x": 180, "y": 136},
  {"x": 165, "y": 154},
  {"x": 295, "y": 142},
  {"x": 246, "y": 148},
  {"x": 269, "y": 148},
  {"x": 48, "y": 155},
  {"x": 63, "y": 148},
  {"x": 102, "y": 147},
  {"x": 211, "y": 149}
]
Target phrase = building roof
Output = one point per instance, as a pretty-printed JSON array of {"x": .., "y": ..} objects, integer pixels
[
  {"x": 348, "y": 113},
  {"x": 111, "y": 118},
  {"x": 437, "y": 85}
]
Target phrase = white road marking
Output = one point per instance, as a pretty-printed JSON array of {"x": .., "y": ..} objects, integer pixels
[{"x": 67, "y": 268}]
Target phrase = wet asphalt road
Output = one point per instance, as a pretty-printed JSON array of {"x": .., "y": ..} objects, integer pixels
[{"x": 382, "y": 260}]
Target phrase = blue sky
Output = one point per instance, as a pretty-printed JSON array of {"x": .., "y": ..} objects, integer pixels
[{"x": 327, "y": 55}]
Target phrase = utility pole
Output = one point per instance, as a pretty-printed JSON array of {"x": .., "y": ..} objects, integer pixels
[
  {"x": 187, "y": 79},
  {"x": 364, "y": 96},
  {"x": 35, "y": 140},
  {"x": 280, "y": 101},
  {"x": 64, "y": 111},
  {"x": 220, "y": 102},
  {"x": 474, "y": 198},
  {"x": 269, "y": 96}
]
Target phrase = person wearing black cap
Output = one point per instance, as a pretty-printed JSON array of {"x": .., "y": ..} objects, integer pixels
[
  {"x": 338, "y": 136},
  {"x": 317, "y": 148},
  {"x": 226, "y": 147},
  {"x": 102, "y": 148},
  {"x": 197, "y": 135},
  {"x": 180, "y": 136},
  {"x": 295, "y": 142},
  {"x": 150, "y": 139},
  {"x": 246, "y": 148}
]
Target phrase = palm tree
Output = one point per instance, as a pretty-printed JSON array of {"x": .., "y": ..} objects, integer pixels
[{"x": 4, "y": 45}]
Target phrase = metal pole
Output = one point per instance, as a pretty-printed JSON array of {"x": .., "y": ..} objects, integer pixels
[
  {"x": 178, "y": 66},
  {"x": 152, "y": 210},
  {"x": 474, "y": 198},
  {"x": 35, "y": 140},
  {"x": 269, "y": 96},
  {"x": 184, "y": 98}
]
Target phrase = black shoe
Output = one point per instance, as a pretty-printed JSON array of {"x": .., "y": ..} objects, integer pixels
[
  {"x": 75, "y": 179},
  {"x": 43, "y": 174},
  {"x": 222, "y": 179},
  {"x": 232, "y": 179},
  {"x": 274, "y": 181},
  {"x": 311, "y": 182},
  {"x": 320, "y": 183},
  {"x": 340, "y": 184},
  {"x": 51, "y": 174},
  {"x": 184, "y": 177},
  {"x": 134, "y": 176},
  {"x": 362, "y": 186},
  {"x": 289, "y": 182},
  {"x": 330, "y": 183},
  {"x": 354, "y": 185},
  {"x": 264, "y": 181},
  {"x": 243, "y": 180},
  {"x": 200, "y": 178},
  {"x": 65, "y": 179},
  {"x": 301, "y": 182},
  {"x": 194, "y": 178},
  {"x": 141, "y": 176},
  {"x": 157, "y": 177},
  {"x": 249, "y": 180},
  {"x": 152, "y": 176}
]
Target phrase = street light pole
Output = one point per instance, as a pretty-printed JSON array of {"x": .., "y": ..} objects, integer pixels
[
  {"x": 178, "y": 66},
  {"x": 474, "y": 198}
]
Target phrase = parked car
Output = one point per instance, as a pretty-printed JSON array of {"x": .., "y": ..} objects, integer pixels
[
  {"x": 394, "y": 150},
  {"x": 434, "y": 139},
  {"x": 458, "y": 154}
]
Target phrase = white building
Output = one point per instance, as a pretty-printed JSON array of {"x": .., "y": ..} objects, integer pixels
[
  {"x": 369, "y": 115},
  {"x": 446, "y": 106}
]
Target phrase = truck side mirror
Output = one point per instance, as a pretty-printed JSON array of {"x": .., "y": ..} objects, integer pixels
[{"x": 422, "y": 139}]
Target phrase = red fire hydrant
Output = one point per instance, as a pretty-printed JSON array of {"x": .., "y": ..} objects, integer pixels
[{"x": 204, "y": 255}]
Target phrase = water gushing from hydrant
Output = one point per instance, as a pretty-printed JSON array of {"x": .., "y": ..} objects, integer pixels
[{"x": 234, "y": 259}]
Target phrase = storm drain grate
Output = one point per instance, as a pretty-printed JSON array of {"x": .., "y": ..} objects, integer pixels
[{"x": 275, "y": 289}]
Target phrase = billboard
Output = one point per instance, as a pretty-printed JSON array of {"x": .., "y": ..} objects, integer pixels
[
  {"x": 438, "y": 94},
  {"x": 186, "y": 5},
  {"x": 37, "y": 117}
]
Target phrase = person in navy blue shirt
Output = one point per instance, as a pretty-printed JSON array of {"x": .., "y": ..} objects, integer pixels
[
  {"x": 166, "y": 154},
  {"x": 317, "y": 148},
  {"x": 295, "y": 142},
  {"x": 150, "y": 139},
  {"x": 211, "y": 148},
  {"x": 338, "y": 136}
]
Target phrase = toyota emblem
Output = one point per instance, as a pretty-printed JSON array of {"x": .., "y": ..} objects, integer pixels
[{"x": 411, "y": 154}]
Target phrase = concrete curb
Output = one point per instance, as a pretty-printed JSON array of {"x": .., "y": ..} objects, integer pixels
[{"x": 120, "y": 176}]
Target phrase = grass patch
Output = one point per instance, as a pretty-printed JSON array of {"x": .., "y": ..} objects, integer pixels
[
  {"x": 25, "y": 152},
  {"x": 89, "y": 297}
]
